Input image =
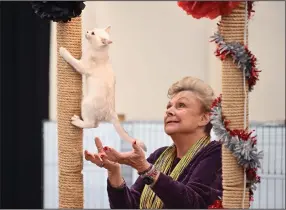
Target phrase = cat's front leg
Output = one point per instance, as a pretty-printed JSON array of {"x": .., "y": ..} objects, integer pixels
[{"x": 75, "y": 63}]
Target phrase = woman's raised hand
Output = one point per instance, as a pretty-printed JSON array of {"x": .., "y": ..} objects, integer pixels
[
  {"x": 135, "y": 158},
  {"x": 100, "y": 158}
]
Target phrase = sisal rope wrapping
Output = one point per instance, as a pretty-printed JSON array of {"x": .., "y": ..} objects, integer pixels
[
  {"x": 69, "y": 94},
  {"x": 232, "y": 29}
]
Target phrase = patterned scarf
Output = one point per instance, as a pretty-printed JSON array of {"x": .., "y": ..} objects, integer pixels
[{"x": 148, "y": 199}]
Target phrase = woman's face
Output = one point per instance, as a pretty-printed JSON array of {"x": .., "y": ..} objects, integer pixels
[{"x": 184, "y": 114}]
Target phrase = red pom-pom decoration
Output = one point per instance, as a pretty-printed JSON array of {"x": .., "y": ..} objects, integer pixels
[{"x": 208, "y": 9}]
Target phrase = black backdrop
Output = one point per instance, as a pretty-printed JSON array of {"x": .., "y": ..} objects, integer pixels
[{"x": 24, "y": 63}]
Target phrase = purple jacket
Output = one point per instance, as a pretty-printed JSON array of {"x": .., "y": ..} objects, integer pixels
[{"x": 198, "y": 186}]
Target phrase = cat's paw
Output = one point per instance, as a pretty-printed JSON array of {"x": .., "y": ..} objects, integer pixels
[
  {"x": 78, "y": 123},
  {"x": 63, "y": 52},
  {"x": 75, "y": 117}
]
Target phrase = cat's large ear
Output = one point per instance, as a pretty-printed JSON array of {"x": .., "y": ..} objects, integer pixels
[{"x": 107, "y": 29}]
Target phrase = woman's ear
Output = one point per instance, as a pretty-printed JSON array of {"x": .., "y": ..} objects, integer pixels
[{"x": 205, "y": 119}]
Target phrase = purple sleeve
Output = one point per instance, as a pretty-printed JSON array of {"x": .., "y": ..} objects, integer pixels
[
  {"x": 198, "y": 192},
  {"x": 127, "y": 198}
]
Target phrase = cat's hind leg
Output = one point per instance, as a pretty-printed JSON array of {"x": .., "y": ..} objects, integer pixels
[
  {"x": 76, "y": 121},
  {"x": 88, "y": 114}
]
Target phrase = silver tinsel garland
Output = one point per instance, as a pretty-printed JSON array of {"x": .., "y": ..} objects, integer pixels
[
  {"x": 245, "y": 151},
  {"x": 238, "y": 52}
]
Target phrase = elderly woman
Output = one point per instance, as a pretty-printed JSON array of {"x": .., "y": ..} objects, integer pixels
[{"x": 186, "y": 174}]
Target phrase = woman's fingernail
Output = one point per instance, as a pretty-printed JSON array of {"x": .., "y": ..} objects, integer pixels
[
  {"x": 105, "y": 148},
  {"x": 101, "y": 156},
  {"x": 134, "y": 142}
]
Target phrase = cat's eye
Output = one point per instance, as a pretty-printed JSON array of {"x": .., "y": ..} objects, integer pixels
[{"x": 92, "y": 33}]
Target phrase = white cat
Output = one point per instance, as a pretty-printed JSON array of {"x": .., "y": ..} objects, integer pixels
[{"x": 98, "y": 103}]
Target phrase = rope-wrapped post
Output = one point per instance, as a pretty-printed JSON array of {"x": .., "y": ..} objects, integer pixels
[
  {"x": 69, "y": 94},
  {"x": 232, "y": 28}
]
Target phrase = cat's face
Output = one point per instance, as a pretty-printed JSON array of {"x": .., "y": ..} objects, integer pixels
[{"x": 99, "y": 37}]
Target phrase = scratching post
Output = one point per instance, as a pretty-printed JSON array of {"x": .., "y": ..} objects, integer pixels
[
  {"x": 69, "y": 93},
  {"x": 232, "y": 28}
]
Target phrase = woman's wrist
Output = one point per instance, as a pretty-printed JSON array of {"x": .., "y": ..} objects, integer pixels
[
  {"x": 144, "y": 167},
  {"x": 115, "y": 178},
  {"x": 150, "y": 176},
  {"x": 116, "y": 169}
]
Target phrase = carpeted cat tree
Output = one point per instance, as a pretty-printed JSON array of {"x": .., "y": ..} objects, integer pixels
[
  {"x": 235, "y": 92},
  {"x": 69, "y": 94},
  {"x": 240, "y": 158}
]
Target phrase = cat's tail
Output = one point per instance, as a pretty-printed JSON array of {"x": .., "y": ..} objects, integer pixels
[{"x": 123, "y": 134}]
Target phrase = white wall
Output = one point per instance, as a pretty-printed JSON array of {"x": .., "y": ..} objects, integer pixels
[
  {"x": 155, "y": 44},
  {"x": 267, "y": 39}
]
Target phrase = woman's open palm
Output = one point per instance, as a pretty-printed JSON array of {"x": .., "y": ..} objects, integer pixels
[
  {"x": 135, "y": 158},
  {"x": 100, "y": 158}
]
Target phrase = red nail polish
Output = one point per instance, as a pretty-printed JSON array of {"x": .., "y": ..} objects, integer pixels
[
  {"x": 134, "y": 142},
  {"x": 105, "y": 148},
  {"x": 101, "y": 156}
]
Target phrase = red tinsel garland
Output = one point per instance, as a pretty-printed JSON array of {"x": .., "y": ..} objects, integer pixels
[
  {"x": 211, "y": 9},
  {"x": 251, "y": 173},
  {"x": 216, "y": 205},
  {"x": 254, "y": 72}
]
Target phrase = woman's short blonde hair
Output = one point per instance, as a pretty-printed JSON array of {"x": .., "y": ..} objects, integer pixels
[{"x": 202, "y": 90}]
